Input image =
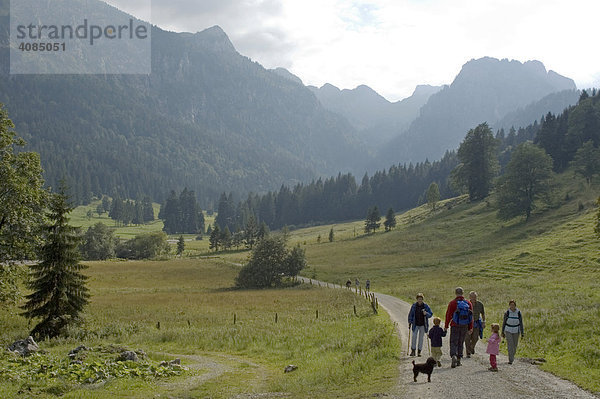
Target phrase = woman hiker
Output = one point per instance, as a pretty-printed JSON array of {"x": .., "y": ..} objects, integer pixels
[
  {"x": 418, "y": 318},
  {"x": 512, "y": 326}
]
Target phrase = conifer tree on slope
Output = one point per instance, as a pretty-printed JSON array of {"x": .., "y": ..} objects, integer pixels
[{"x": 59, "y": 288}]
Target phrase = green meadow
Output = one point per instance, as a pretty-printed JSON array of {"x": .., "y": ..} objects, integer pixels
[
  {"x": 550, "y": 265},
  {"x": 232, "y": 342}
]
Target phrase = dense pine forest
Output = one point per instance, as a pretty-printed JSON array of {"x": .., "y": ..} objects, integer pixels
[{"x": 404, "y": 186}]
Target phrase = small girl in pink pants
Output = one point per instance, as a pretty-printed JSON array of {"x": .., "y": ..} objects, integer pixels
[{"x": 494, "y": 346}]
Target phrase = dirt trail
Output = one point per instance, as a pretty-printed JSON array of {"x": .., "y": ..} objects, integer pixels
[
  {"x": 516, "y": 381},
  {"x": 519, "y": 380}
]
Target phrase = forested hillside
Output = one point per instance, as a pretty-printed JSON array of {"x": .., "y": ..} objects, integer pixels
[
  {"x": 403, "y": 186},
  {"x": 207, "y": 118}
]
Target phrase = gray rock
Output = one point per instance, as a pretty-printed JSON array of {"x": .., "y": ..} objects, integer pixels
[
  {"x": 24, "y": 347},
  {"x": 127, "y": 355},
  {"x": 176, "y": 362},
  {"x": 290, "y": 368},
  {"x": 80, "y": 348}
]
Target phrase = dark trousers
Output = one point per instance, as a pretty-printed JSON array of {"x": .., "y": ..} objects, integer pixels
[{"x": 457, "y": 339}]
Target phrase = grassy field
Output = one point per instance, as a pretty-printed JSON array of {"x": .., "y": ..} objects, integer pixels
[
  {"x": 79, "y": 218},
  {"x": 338, "y": 354},
  {"x": 550, "y": 265}
]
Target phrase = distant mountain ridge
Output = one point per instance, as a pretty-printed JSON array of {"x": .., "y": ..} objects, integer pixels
[
  {"x": 485, "y": 90},
  {"x": 207, "y": 118},
  {"x": 376, "y": 118}
]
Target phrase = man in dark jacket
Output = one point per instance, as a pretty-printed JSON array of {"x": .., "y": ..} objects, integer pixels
[{"x": 459, "y": 317}]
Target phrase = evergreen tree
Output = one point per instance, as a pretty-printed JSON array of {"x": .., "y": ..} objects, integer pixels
[
  {"x": 100, "y": 209},
  {"x": 390, "y": 220},
  {"x": 117, "y": 210},
  {"x": 251, "y": 232},
  {"x": 479, "y": 162},
  {"x": 372, "y": 221},
  {"x": 238, "y": 238},
  {"x": 59, "y": 291},
  {"x": 226, "y": 238},
  {"x": 226, "y": 211},
  {"x": 433, "y": 195},
  {"x": 263, "y": 231},
  {"x": 527, "y": 179},
  {"x": 331, "y": 235},
  {"x": 214, "y": 241},
  {"x": 147, "y": 210},
  {"x": 106, "y": 203},
  {"x": 180, "y": 246},
  {"x": 189, "y": 222},
  {"x": 171, "y": 214}
]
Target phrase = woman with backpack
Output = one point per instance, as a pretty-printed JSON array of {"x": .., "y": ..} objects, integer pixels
[{"x": 512, "y": 326}]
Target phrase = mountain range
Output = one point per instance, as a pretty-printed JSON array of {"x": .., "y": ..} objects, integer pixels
[
  {"x": 485, "y": 90},
  {"x": 212, "y": 120}
]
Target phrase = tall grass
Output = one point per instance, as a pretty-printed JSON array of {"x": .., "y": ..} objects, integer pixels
[{"x": 337, "y": 353}]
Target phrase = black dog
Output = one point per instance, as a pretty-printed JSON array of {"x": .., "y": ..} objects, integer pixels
[{"x": 425, "y": 368}]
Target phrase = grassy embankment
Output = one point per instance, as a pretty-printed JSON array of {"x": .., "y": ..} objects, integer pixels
[{"x": 338, "y": 354}]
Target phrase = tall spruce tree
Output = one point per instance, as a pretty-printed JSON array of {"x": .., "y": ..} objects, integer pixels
[
  {"x": 390, "y": 220},
  {"x": 59, "y": 288},
  {"x": 180, "y": 245},
  {"x": 147, "y": 210},
  {"x": 479, "y": 162},
  {"x": 433, "y": 195},
  {"x": 372, "y": 221}
]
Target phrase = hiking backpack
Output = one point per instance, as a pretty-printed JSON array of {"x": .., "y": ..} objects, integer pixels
[{"x": 463, "y": 314}]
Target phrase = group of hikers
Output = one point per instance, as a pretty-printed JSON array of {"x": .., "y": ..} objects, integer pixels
[
  {"x": 357, "y": 283},
  {"x": 466, "y": 320}
]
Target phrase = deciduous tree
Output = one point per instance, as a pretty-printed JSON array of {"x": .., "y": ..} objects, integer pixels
[
  {"x": 22, "y": 199},
  {"x": 525, "y": 182}
]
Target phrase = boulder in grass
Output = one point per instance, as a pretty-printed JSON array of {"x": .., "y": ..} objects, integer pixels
[
  {"x": 24, "y": 347},
  {"x": 73, "y": 353},
  {"x": 176, "y": 362},
  {"x": 127, "y": 356},
  {"x": 290, "y": 368}
]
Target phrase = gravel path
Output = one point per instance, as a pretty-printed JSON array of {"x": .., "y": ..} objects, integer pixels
[{"x": 519, "y": 380}]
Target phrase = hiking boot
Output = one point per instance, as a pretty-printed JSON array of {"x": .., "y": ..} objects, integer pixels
[
  {"x": 412, "y": 352},
  {"x": 453, "y": 365},
  {"x": 493, "y": 369},
  {"x": 510, "y": 362},
  {"x": 439, "y": 363},
  {"x": 468, "y": 355},
  {"x": 419, "y": 353},
  {"x": 458, "y": 362}
]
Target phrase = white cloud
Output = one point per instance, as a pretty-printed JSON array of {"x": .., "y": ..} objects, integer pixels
[{"x": 393, "y": 45}]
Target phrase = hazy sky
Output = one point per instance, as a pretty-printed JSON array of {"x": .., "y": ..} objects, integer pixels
[{"x": 393, "y": 45}]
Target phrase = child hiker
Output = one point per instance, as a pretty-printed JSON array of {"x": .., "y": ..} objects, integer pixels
[
  {"x": 435, "y": 335},
  {"x": 494, "y": 346}
]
